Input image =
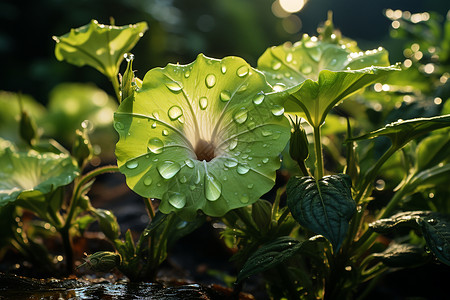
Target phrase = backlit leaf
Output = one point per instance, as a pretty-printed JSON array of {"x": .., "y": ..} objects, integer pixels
[
  {"x": 99, "y": 46},
  {"x": 29, "y": 175},
  {"x": 324, "y": 207},
  {"x": 203, "y": 136}
]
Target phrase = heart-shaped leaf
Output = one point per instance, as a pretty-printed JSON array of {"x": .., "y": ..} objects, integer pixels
[
  {"x": 401, "y": 132},
  {"x": 324, "y": 207},
  {"x": 29, "y": 175},
  {"x": 319, "y": 74},
  {"x": 99, "y": 46},
  {"x": 203, "y": 136}
]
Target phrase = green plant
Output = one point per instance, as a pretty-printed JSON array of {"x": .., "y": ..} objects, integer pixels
[{"x": 205, "y": 140}]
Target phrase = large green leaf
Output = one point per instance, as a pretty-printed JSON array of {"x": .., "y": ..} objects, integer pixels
[
  {"x": 203, "y": 136},
  {"x": 30, "y": 175},
  {"x": 401, "y": 132},
  {"x": 99, "y": 46},
  {"x": 324, "y": 207},
  {"x": 320, "y": 73}
]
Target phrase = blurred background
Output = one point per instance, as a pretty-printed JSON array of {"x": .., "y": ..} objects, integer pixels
[{"x": 178, "y": 31}]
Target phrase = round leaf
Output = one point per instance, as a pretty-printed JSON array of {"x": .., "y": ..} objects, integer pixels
[
  {"x": 203, "y": 136},
  {"x": 28, "y": 175}
]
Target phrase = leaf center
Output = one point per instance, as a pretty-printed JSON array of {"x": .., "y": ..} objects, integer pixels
[{"x": 204, "y": 150}]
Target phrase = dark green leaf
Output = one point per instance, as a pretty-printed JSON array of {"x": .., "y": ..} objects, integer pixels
[
  {"x": 99, "y": 46},
  {"x": 437, "y": 234},
  {"x": 324, "y": 207},
  {"x": 403, "y": 255},
  {"x": 432, "y": 150},
  {"x": 401, "y": 132},
  {"x": 262, "y": 214},
  {"x": 108, "y": 223},
  {"x": 269, "y": 256},
  {"x": 407, "y": 218}
]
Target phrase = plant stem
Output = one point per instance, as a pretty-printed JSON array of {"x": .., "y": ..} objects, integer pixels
[
  {"x": 318, "y": 152},
  {"x": 115, "y": 82},
  {"x": 150, "y": 208},
  {"x": 372, "y": 173},
  {"x": 67, "y": 246}
]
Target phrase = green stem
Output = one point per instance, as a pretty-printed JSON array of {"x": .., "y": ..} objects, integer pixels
[
  {"x": 115, "y": 82},
  {"x": 150, "y": 208},
  {"x": 369, "y": 237},
  {"x": 68, "y": 251},
  {"x": 318, "y": 152},
  {"x": 372, "y": 173},
  {"x": 78, "y": 188}
]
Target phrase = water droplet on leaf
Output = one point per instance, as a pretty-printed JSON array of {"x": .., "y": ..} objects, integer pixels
[
  {"x": 213, "y": 188},
  {"x": 289, "y": 57},
  {"x": 242, "y": 169},
  {"x": 148, "y": 180},
  {"x": 168, "y": 169},
  {"x": 277, "y": 110},
  {"x": 155, "y": 145},
  {"x": 174, "y": 86},
  {"x": 175, "y": 112},
  {"x": 259, "y": 98},
  {"x": 241, "y": 115},
  {"x": 189, "y": 163},
  {"x": 178, "y": 200},
  {"x": 225, "y": 95},
  {"x": 210, "y": 80},
  {"x": 132, "y": 164},
  {"x": 203, "y": 102},
  {"x": 242, "y": 71}
]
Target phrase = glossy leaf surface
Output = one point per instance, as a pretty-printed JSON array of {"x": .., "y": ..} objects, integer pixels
[
  {"x": 99, "y": 46},
  {"x": 28, "y": 175},
  {"x": 319, "y": 74},
  {"x": 269, "y": 256},
  {"x": 203, "y": 136},
  {"x": 324, "y": 207},
  {"x": 401, "y": 132}
]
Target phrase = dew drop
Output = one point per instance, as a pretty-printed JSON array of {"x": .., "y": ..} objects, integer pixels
[
  {"x": 241, "y": 115},
  {"x": 187, "y": 74},
  {"x": 168, "y": 169},
  {"x": 278, "y": 87},
  {"x": 165, "y": 132},
  {"x": 210, "y": 80},
  {"x": 276, "y": 65},
  {"x": 230, "y": 163},
  {"x": 306, "y": 69},
  {"x": 289, "y": 57},
  {"x": 225, "y": 96},
  {"x": 203, "y": 102},
  {"x": 242, "y": 71},
  {"x": 175, "y": 112},
  {"x": 259, "y": 98},
  {"x": 242, "y": 88},
  {"x": 242, "y": 169},
  {"x": 251, "y": 125},
  {"x": 128, "y": 57},
  {"x": 223, "y": 69},
  {"x": 250, "y": 186},
  {"x": 277, "y": 110},
  {"x": 155, "y": 145},
  {"x": 266, "y": 132},
  {"x": 189, "y": 163},
  {"x": 133, "y": 164},
  {"x": 177, "y": 200},
  {"x": 233, "y": 144},
  {"x": 244, "y": 198},
  {"x": 154, "y": 125},
  {"x": 183, "y": 179},
  {"x": 155, "y": 115},
  {"x": 265, "y": 160},
  {"x": 119, "y": 126},
  {"x": 173, "y": 86},
  {"x": 148, "y": 180},
  {"x": 213, "y": 188}
]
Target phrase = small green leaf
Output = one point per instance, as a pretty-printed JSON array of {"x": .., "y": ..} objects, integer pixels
[
  {"x": 401, "y": 132},
  {"x": 204, "y": 136},
  {"x": 29, "y": 175},
  {"x": 99, "y": 46},
  {"x": 437, "y": 175},
  {"x": 269, "y": 256},
  {"x": 433, "y": 150},
  {"x": 262, "y": 214},
  {"x": 324, "y": 207},
  {"x": 103, "y": 261},
  {"x": 437, "y": 234},
  {"x": 402, "y": 255},
  {"x": 108, "y": 223}
]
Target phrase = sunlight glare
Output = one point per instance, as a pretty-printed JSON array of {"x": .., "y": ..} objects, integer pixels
[{"x": 292, "y": 6}]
